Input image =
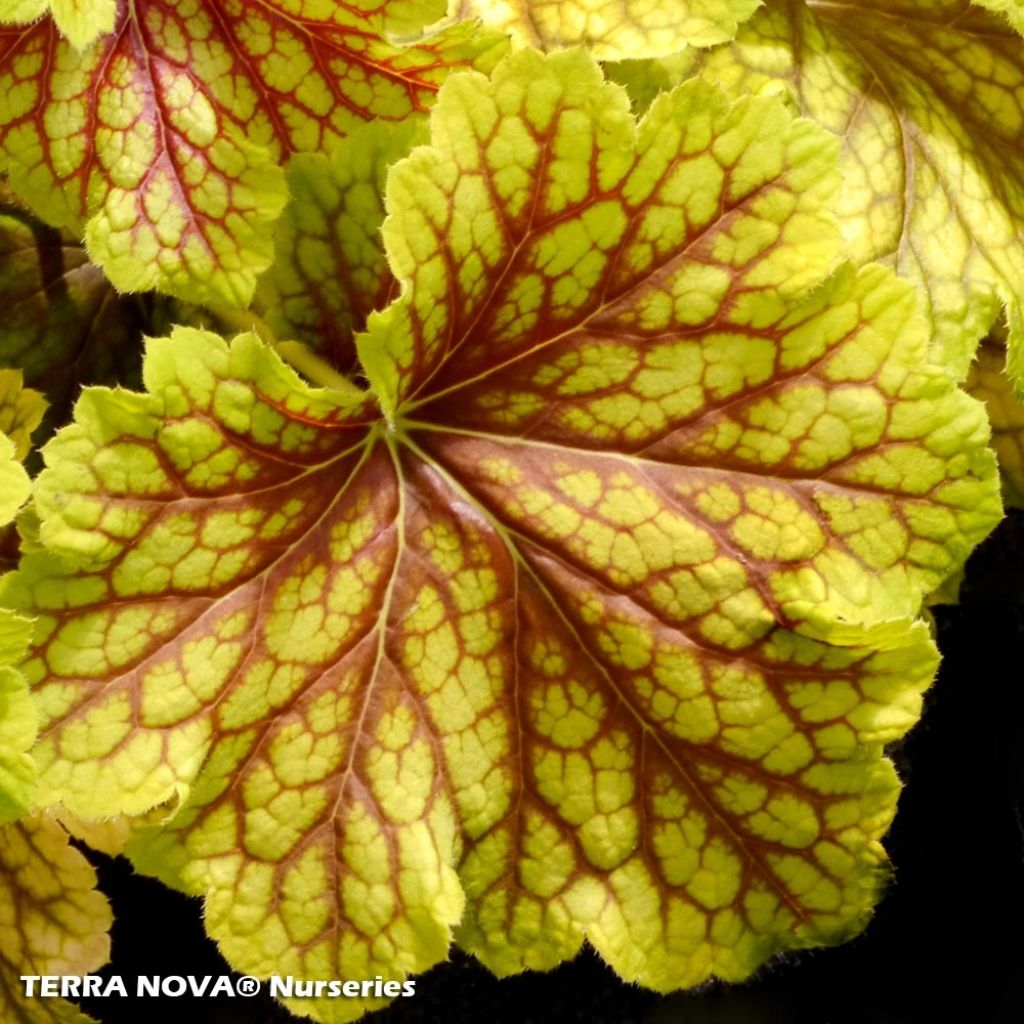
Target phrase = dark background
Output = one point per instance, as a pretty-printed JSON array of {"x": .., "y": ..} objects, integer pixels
[{"x": 946, "y": 944}]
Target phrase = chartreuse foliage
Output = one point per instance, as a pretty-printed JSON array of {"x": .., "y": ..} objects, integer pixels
[
  {"x": 928, "y": 99},
  {"x": 52, "y": 921},
  {"x": 20, "y": 413},
  {"x": 81, "y": 21},
  {"x": 17, "y": 716},
  {"x": 612, "y": 29},
  {"x": 989, "y": 382},
  {"x": 162, "y": 139},
  {"x": 591, "y": 619},
  {"x": 1012, "y": 9}
]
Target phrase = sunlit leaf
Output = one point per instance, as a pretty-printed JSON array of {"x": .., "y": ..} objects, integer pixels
[
  {"x": 81, "y": 21},
  {"x": 52, "y": 919},
  {"x": 17, "y": 719},
  {"x": 1012, "y": 9},
  {"x": 596, "y": 629},
  {"x": 20, "y": 412},
  {"x": 163, "y": 139},
  {"x": 928, "y": 99},
  {"x": 611, "y": 30}
]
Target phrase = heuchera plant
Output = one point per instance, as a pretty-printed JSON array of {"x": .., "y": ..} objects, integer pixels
[{"x": 517, "y": 531}]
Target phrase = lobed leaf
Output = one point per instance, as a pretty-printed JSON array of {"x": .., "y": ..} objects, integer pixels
[
  {"x": 988, "y": 382},
  {"x": 597, "y": 629},
  {"x": 609, "y": 30},
  {"x": 20, "y": 412},
  {"x": 81, "y": 21},
  {"x": 162, "y": 140},
  {"x": 1013, "y": 10},
  {"x": 928, "y": 99},
  {"x": 53, "y": 919},
  {"x": 17, "y": 720}
]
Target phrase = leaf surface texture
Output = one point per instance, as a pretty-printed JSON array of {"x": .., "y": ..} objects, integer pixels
[
  {"x": 590, "y": 620},
  {"x": 162, "y": 140},
  {"x": 928, "y": 99}
]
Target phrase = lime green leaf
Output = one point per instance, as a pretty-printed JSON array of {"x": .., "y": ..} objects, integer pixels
[
  {"x": 1012, "y": 9},
  {"x": 14, "y": 482},
  {"x": 612, "y": 610},
  {"x": 53, "y": 920},
  {"x": 21, "y": 412},
  {"x": 162, "y": 140},
  {"x": 17, "y": 720},
  {"x": 612, "y": 31},
  {"x": 330, "y": 270},
  {"x": 989, "y": 382},
  {"x": 792, "y": 242},
  {"x": 928, "y": 98},
  {"x": 81, "y": 21}
]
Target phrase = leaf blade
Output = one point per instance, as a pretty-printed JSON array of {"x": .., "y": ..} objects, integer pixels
[
  {"x": 170, "y": 162},
  {"x": 907, "y": 87},
  {"x": 590, "y": 674},
  {"x": 633, "y": 29},
  {"x": 57, "y": 920}
]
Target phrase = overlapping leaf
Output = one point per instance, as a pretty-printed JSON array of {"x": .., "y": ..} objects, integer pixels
[
  {"x": 611, "y": 29},
  {"x": 988, "y": 381},
  {"x": 1012, "y": 9},
  {"x": 928, "y": 98},
  {"x": 52, "y": 919},
  {"x": 63, "y": 324},
  {"x": 611, "y": 611},
  {"x": 81, "y": 21},
  {"x": 20, "y": 413},
  {"x": 162, "y": 139},
  {"x": 330, "y": 271},
  {"x": 17, "y": 716}
]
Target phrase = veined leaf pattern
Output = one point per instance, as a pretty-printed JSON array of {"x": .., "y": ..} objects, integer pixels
[
  {"x": 162, "y": 140},
  {"x": 928, "y": 99},
  {"x": 590, "y": 620}
]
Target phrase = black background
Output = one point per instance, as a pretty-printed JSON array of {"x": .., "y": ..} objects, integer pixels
[{"x": 946, "y": 944}]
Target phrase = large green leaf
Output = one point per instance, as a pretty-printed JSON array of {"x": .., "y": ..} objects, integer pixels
[
  {"x": 611, "y": 31},
  {"x": 928, "y": 99},
  {"x": 162, "y": 140},
  {"x": 596, "y": 629}
]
